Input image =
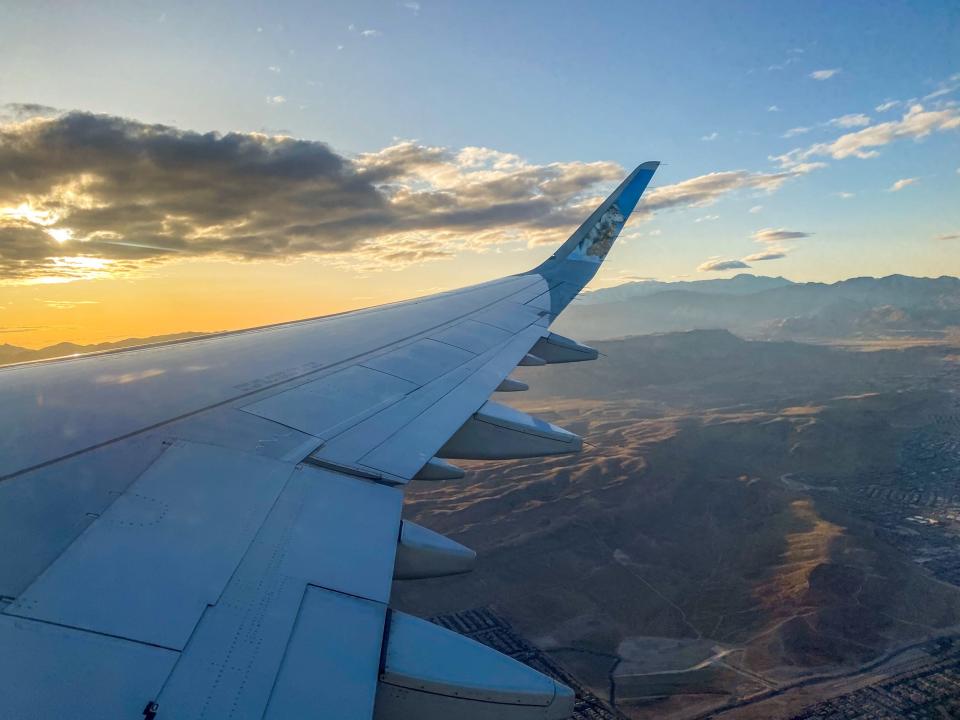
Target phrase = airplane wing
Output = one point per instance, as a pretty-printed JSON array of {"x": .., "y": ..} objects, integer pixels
[{"x": 210, "y": 528}]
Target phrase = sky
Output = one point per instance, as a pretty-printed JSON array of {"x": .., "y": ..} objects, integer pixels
[{"x": 169, "y": 167}]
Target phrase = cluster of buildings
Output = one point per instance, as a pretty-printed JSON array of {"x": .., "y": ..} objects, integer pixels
[
  {"x": 485, "y": 626},
  {"x": 915, "y": 506},
  {"x": 930, "y": 692}
]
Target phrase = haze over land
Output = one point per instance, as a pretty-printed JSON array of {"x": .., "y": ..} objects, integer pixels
[
  {"x": 748, "y": 513},
  {"x": 862, "y": 308}
]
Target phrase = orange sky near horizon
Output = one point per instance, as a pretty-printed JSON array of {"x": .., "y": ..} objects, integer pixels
[{"x": 211, "y": 295}]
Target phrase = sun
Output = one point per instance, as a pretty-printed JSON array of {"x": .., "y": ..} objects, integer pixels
[{"x": 61, "y": 235}]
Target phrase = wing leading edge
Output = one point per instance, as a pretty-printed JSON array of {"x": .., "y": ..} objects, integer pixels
[{"x": 228, "y": 510}]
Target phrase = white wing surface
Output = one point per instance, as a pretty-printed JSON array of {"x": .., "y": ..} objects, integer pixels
[{"x": 210, "y": 528}]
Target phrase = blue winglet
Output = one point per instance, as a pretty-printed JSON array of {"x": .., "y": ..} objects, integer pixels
[{"x": 594, "y": 238}]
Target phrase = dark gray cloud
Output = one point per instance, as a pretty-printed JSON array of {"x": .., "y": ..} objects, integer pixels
[
  {"x": 23, "y": 111},
  {"x": 125, "y": 191},
  {"x": 85, "y": 195}
]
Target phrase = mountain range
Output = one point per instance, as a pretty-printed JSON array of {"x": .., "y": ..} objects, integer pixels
[
  {"x": 755, "y": 307},
  {"x": 895, "y": 306},
  {"x": 15, "y": 354}
]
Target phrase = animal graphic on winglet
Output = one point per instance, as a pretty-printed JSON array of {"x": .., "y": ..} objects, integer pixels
[{"x": 597, "y": 242}]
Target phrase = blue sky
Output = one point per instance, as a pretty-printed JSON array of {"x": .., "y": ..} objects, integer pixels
[{"x": 705, "y": 87}]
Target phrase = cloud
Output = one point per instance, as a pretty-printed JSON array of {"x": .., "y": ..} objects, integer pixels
[
  {"x": 88, "y": 196},
  {"x": 769, "y": 235},
  {"x": 370, "y": 33},
  {"x": 887, "y": 105},
  {"x": 276, "y": 100},
  {"x": 824, "y": 74},
  {"x": 901, "y": 184},
  {"x": 413, "y": 7},
  {"x": 274, "y": 69},
  {"x": 844, "y": 195},
  {"x": 946, "y": 87},
  {"x": 707, "y": 218},
  {"x": 712, "y": 136},
  {"x": 68, "y": 304},
  {"x": 948, "y": 236},
  {"x": 766, "y": 255},
  {"x": 793, "y": 132},
  {"x": 720, "y": 265},
  {"x": 773, "y": 108},
  {"x": 15, "y": 112},
  {"x": 772, "y": 242},
  {"x": 130, "y": 195},
  {"x": 915, "y": 124},
  {"x": 850, "y": 121},
  {"x": 706, "y": 189},
  {"x": 755, "y": 209}
]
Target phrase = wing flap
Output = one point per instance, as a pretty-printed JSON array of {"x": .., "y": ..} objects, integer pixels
[
  {"x": 418, "y": 439},
  {"x": 420, "y": 361},
  {"x": 313, "y": 585},
  {"x": 55, "y": 672},
  {"x": 149, "y": 566},
  {"x": 332, "y": 661},
  {"x": 324, "y": 407}
]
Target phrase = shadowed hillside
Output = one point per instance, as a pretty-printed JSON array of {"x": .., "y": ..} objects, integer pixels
[{"x": 707, "y": 544}]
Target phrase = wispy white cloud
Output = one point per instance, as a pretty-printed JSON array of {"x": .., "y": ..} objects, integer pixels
[
  {"x": 68, "y": 304},
  {"x": 771, "y": 240},
  {"x": 824, "y": 74},
  {"x": 915, "y": 124},
  {"x": 706, "y": 189},
  {"x": 755, "y": 209},
  {"x": 718, "y": 265},
  {"x": 370, "y": 33},
  {"x": 712, "y": 136},
  {"x": 707, "y": 218},
  {"x": 793, "y": 132},
  {"x": 413, "y": 7},
  {"x": 901, "y": 184},
  {"x": 773, "y": 108},
  {"x": 772, "y": 254},
  {"x": 274, "y": 69},
  {"x": 850, "y": 121},
  {"x": 844, "y": 195},
  {"x": 276, "y": 99},
  {"x": 771, "y": 235},
  {"x": 948, "y": 86},
  {"x": 887, "y": 105}
]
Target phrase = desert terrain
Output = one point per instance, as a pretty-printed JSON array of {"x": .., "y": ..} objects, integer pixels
[{"x": 748, "y": 520}]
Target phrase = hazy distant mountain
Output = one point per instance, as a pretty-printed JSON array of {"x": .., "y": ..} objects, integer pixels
[
  {"x": 14, "y": 353},
  {"x": 742, "y": 284},
  {"x": 772, "y": 308},
  {"x": 893, "y": 306}
]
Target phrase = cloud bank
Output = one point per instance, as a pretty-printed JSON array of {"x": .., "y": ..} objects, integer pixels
[
  {"x": 85, "y": 195},
  {"x": 917, "y": 123}
]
